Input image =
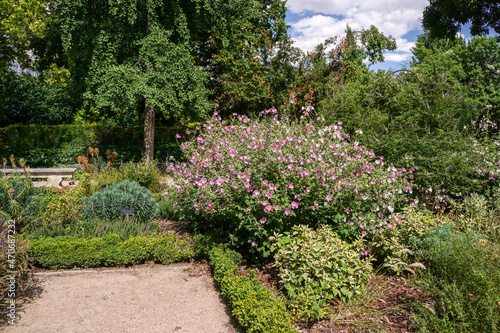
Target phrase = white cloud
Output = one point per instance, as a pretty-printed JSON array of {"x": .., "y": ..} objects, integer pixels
[{"x": 328, "y": 18}]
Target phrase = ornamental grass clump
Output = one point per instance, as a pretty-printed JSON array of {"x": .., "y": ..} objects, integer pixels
[{"x": 249, "y": 179}]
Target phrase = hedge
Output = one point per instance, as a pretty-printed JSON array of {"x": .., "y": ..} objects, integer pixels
[
  {"x": 253, "y": 305},
  {"x": 51, "y": 145},
  {"x": 110, "y": 250}
]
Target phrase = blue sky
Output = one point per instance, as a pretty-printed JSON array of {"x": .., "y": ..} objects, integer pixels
[{"x": 312, "y": 21}]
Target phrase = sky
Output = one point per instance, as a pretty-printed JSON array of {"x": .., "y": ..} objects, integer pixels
[{"x": 313, "y": 21}]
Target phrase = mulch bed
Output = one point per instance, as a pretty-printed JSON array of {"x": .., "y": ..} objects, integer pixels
[{"x": 393, "y": 302}]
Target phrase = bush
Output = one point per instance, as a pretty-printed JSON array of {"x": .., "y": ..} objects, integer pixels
[
  {"x": 13, "y": 258},
  {"x": 316, "y": 266},
  {"x": 18, "y": 199},
  {"x": 254, "y": 179},
  {"x": 146, "y": 174},
  {"x": 463, "y": 280},
  {"x": 61, "y": 206},
  {"x": 393, "y": 246},
  {"x": 253, "y": 305},
  {"x": 425, "y": 125},
  {"x": 107, "y": 203},
  {"x": 110, "y": 250},
  {"x": 475, "y": 214}
]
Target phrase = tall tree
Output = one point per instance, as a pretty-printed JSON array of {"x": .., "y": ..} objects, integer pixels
[
  {"x": 171, "y": 56},
  {"x": 443, "y": 18}
]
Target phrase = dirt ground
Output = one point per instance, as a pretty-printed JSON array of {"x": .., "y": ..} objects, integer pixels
[{"x": 154, "y": 298}]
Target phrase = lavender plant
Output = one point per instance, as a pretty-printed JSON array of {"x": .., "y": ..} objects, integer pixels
[{"x": 249, "y": 179}]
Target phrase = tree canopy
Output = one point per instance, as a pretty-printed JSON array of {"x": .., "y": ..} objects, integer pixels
[{"x": 443, "y": 18}]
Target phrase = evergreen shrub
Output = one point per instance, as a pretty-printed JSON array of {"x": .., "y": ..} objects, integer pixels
[
  {"x": 127, "y": 194},
  {"x": 463, "y": 280},
  {"x": 110, "y": 250},
  {"x": 253, "y": 305}
]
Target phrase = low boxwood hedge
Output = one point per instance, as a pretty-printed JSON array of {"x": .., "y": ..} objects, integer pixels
[
  {"x": 253, "y": 305},
  {"x": 110, "y": 250}
]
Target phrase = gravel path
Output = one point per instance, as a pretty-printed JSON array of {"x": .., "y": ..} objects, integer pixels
[{"x": 174, "y": 298}]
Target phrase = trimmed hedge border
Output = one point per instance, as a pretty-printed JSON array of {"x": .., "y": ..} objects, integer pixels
[
  {"x": 253, "y": 305},
  {"x": 69, "y": 251}
]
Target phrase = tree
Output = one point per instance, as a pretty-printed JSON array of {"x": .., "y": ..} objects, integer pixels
[
  {"x": 443, "y": 18},
  {"x": 338, "y": 61},
  {"x": 167, "y": 57},
  {"x": 472, "y": 66}
]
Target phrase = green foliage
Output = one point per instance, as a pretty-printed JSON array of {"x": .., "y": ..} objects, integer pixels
[
  {"x": 317, "y": 266},
  {"x": 253, "y": 305},
  {"x": 463, "y": 280},
  {"x": 48, "y": 146},
  {"x": 146, "y": 174},
  {"x": 392, "y": 247},
  {"x": 107, "y": 203},
  {"x": 110, "y": 250},
  {"x": 34, "y": 101},
  {"x": 443, "y": 18},
  {"x": 248, "y": 180},
  {"x": 321, "y": 70},
  {"x": 16, "y": 278},
  {"x": 419, "y": 120},
  {"x": 18, "y": 199},
  {"x": 62, "y": 206},
  {"x": 92, "y": 228},
  {"x": 475, "y": 214}
]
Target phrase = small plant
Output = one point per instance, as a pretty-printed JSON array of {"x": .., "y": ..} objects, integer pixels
[
  {"x": 317, "y": 266},
  {"x": 127, "y": 194},
  {"x": 477, "y": 215},
  {"x": 463, "y": 280},
  {"x": 18, "y": 199},
  {"x": 393, "y": 246},
  {"x": 62, "y": 205},
  {"x": 146, "y": 174}
]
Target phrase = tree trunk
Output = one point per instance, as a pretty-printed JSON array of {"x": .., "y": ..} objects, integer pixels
[{"x": 149, "y": 133}]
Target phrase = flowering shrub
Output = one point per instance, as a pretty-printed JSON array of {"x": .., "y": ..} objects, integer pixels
[{"x": 249, "y": 179}]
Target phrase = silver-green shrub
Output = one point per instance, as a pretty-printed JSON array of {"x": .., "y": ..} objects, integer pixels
[{"x": 107, "y": 203}]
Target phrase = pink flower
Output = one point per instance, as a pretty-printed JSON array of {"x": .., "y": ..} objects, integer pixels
[
  {"x": 297, "y": 197},
  {"x": 287, "y": 212},
  {"x": 328, "y": 198},
  {"x": 241, "y": 175},
  {"x": 295, "y": 205},
  {"x": 178, "y": 136},
  {"x": 263, "y": 220},
  {"x": 290, "y": 185},
  {"x": 362, "y": 225},
  {"x": 392, "y": 224},
  {"x": 268, "y": 208},
  {"x": 249, "y": 209},
  {"x": 363, "y": 234},
  {"x": 276, "y": 207},
  {"x": 272, "y": 187},
  {"x": 236, "y": 186},
  {"x": 308, "y": 189},
  {"x": 256, "y": 193},
  {"x": 254, "y": 244},
  {"x": 259, "y": 228},
  {"x": 269, "y": 195}
]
